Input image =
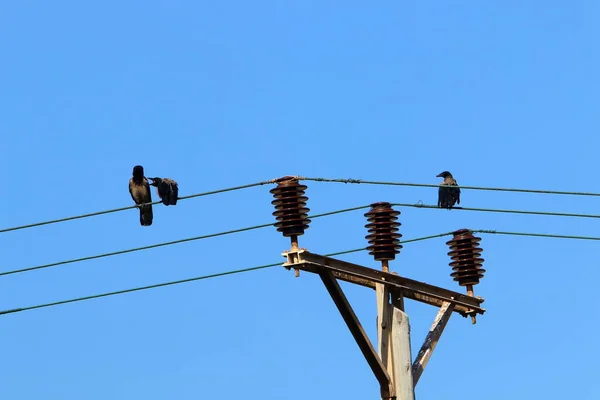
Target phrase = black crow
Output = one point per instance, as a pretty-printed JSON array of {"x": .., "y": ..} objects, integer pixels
[
  {"x": 140, "y": 193},
  {"x": 448, "y": 196},
  {"x": 167, "y": 189}
]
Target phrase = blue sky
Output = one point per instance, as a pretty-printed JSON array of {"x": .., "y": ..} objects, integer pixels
[{"x": 232, "y": 93}]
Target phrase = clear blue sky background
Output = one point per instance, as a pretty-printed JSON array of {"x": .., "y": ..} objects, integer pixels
[{"x": 232, "y": 93}]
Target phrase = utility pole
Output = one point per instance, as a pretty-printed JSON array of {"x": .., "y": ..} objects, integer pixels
[{"x": 391, "y": 362}]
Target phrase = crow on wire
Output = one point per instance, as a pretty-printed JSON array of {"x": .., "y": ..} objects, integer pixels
[
  {"x": 448, "y": 197},
  {"x": 140, "y": 193},
  {"x": 167, "y": 189}
]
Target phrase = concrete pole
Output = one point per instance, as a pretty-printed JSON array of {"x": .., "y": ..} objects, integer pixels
[
  {"x": 401, "y": 360},
  {"x": 393, "y": 337}
]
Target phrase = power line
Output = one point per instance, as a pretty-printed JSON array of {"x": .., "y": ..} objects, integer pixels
[
  {"x": 549, "y": 213},
  {"x": 546, "y": 235},
  {"x": 461, "y": 186},
  {"x": 137, "y": 289},
  {"x": 495, "y": 232},
  {"x": 54, "y": 221},
  {"x": 96, "y": 296},
  {"x": 198, "y": 278},
  {"x": 44, "y": 305},
  {"x": 152, "y": 246},
  {"x": 162, "y": 244},
  {"x": 224, "y": 233}
]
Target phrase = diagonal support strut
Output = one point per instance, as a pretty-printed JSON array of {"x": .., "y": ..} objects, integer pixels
[
  {"x": 431, "y": 340},
  {"x": 365, "y": 345}
]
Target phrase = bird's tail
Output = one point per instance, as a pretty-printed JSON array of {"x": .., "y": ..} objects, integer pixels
[
  {"x": 146, "y": 215},
  {"x": 173, "y": 195}
]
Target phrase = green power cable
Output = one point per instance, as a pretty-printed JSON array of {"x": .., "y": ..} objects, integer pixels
[
  {"x": 546, "y": 235},
  {"x": 54, "y": 221},
  {"x": 461, "y": 186},
  {"x": 14, "y": 310},
  {"x": 153, "y": 246},
  {"x": 300, "y": 178},
  {"x": 494, "y": 210},
  {"x": 272, "y": 224},
  {"x": 137, "y": 289}
]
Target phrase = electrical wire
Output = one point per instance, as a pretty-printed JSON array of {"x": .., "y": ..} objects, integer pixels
[
  {"x": 548, "y": 213},
  {"x": 140, "y": 288},
  {"x": 153, "y": 246},
  {"x": 461, "y": 186},
  {"x": 162, "y": 244},
  {"x": 545, "y": 235},
  {"x": 238, "y": 271},
  {"x": 54, "y": 221}
]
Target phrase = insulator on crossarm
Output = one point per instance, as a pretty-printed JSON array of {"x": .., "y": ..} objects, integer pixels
[
  {"x": 291, "y": 212},
  {"x": 384, "y": 241},
  {"x": 466, "y": 263}
]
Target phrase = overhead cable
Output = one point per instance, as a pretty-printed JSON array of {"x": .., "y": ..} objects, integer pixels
[
  {"x": 54, "y": 221},
  {"x": 460, "y": 186},
  {"x": 140, "y": 288},
  {"x": 162, "y": 244},
  {"x": 545, "y": 235},
  {"x": 238, "y": 271},
  {"x": 494, "y": 210}
]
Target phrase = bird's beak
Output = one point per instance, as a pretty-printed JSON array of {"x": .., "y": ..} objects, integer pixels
[{"x": 438, "y": 176}]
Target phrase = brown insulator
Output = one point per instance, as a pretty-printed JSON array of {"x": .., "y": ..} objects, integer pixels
[
  {"x": 465, "y": 253},
  {"x": 290, "y": 205},
  {"x": 466, "y": 261},
  {"x": 384, "y": 242}
]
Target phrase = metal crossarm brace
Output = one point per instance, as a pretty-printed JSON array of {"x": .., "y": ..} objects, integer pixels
[
  {"x": 419, "y": 291},
  {"x": 393, "y": 323}
]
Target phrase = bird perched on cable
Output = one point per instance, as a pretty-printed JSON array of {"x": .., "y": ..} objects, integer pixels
[
  {"x": 140, "y": 193},
  {"x": 448, "y": 196},
  {"x": 167, "y": 189}
]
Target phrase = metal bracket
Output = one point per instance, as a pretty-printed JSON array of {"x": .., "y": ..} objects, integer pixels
[
  {"x": 330, "y": 269},
  {"x": 419, "y": 291}
]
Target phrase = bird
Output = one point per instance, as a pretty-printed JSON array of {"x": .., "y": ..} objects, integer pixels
[
  {"x": 140, "y": 193},
  {"x": 448, "y": 196},
  {"x": 167, "y": 189}
]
